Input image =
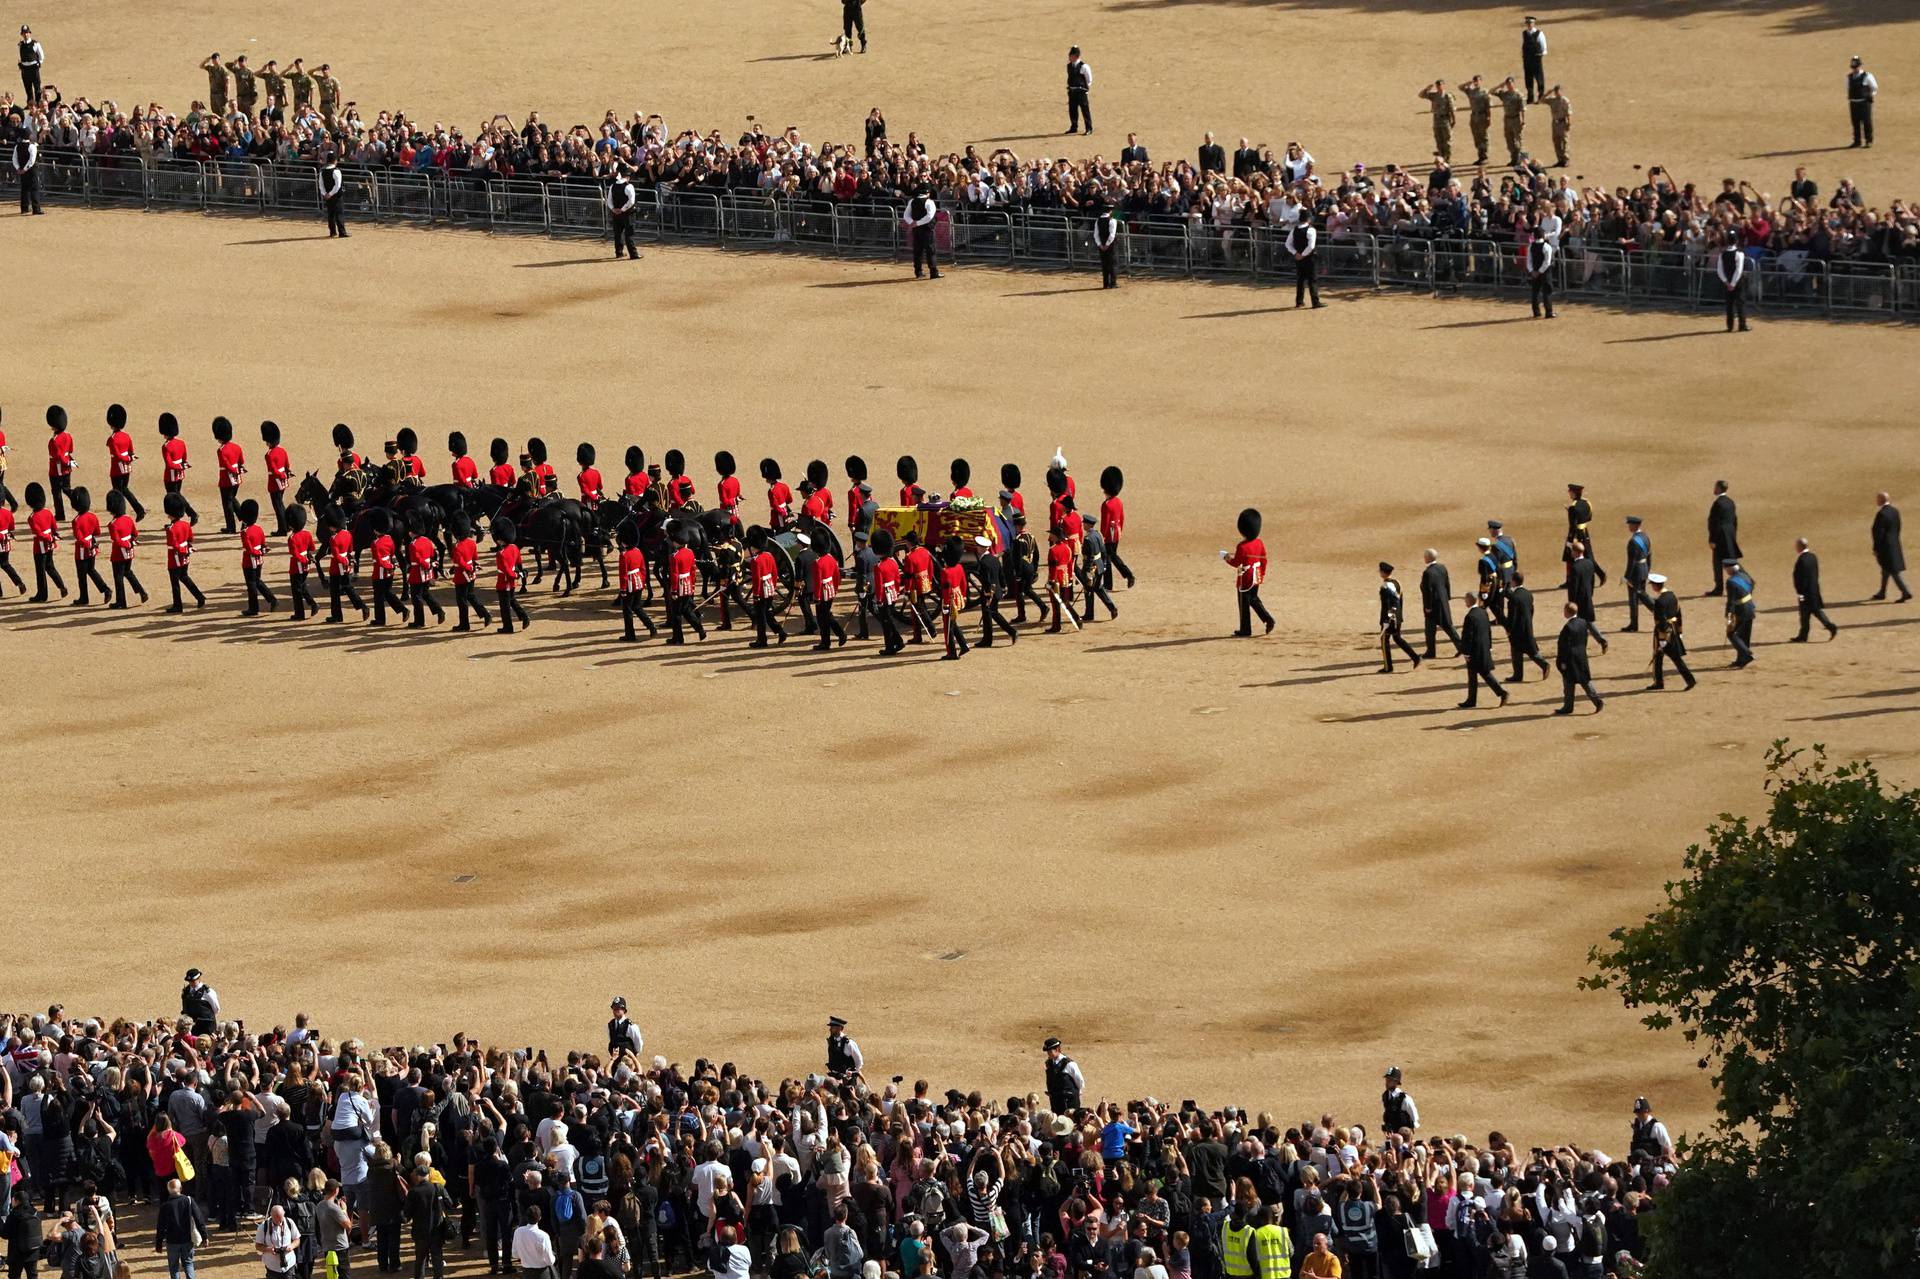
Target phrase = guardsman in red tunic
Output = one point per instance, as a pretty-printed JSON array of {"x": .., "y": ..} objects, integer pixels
[
  {"x": 961, "y": 474},
  {"x": 1010, "y": 481},
  {"x": 301, "y": 548},
  {"x": 856, "y": 476},
  {"x": 233, "y": 464},
  {"x": 637, "y": 481},
  {"x": 1060, "y": 562},
  {"x": 121, "y": 457},
  {"x": 681, "y": 572},
  {"x": 6, "y": 548},
  {"x": 180, "y": 554},
  {"x": 502, "y": 475},
  {"x": 86, "y": 546},
  {"x": 45, "y": 529},
  {"x": 421, "y": 554},
  {"x": 633, "y": 581},
  {"x": 953, "y": 599},
  {"x": 59, "y": 460},
  {"x": 763, "y": 583},
  {"x": 593, "y": 490},
  {"x": 173, "y": 462},
  {"x": 279, "y": 475},
  {"x": 339, "y": 539},
  {"x": 919, "y": 581},
  {"x": 816, "y": 504},
  {"x": 122, "y": 536},
  {"x": 1249, "y": 563},
  {"x": 253, "y": 560},
  {"x": 824, "y": 586},
  {"x": 6, "y": 494},
  {"x": 464, "y": 562},
  {"x": 1113, "y": 522},
  {"x": 779, "y": 496},
  {"x": 545, "y": 481},
  {"x": 507, "y": 575},
  {"x": 347, "y": 460},
  {"x": 385, "y": 565},
  {"x": 908, "y": 471},
  {"x": 727, "y": 494},
  {"x": 883, "y": 600},
  {"x": 822, "y": 488},
  {"x": 466, "y": 472}
]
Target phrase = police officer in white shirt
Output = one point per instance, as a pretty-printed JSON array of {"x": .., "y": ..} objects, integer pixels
[
  {"x": 1730, "y": 264},
  {"x": 332, "y": 185},
  {"x": 622, "y": 1034},
  {"x": 1862, "y": 88},
  {"x": 918, "y": 220},
  {"x": 1106, "y": 238},
  {"x": 1540, "y": 256},
  {"x": 26, "y": 170},
  {"x": 1079, "y": 89},
  {"x": 620, "y": 201},
  {"x": 33, "y": 57},
  {"x": 1302, "y": 243}
]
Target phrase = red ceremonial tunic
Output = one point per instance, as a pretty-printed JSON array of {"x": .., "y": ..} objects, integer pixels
[
  {"x": 1060, "y": 564},
  {"x": 633, "y": 570},
  {"x": 779, "y": 504},
  {"x": 466, "y": 472},
  {"x": 6, "y": 530},
  {"x": 728, "y": 492},
  {"x": 46, "y": 531},
  {"x": 253, "y": 546},
  {"x": 59, "y": 455},
  {"x": 637, "y": 484},
  {"x": 953, "y": 586},
  {"x": 300, "y": 546},
  {"x": 173, "y": 460},
  {"x": 886, "y": 581},
  {"x": 279, "y": 469},
  {"x": 420, "y": 561},
  {"x": 592, "y": 490},
  {"x": 501, "y": 476},
  {"x": 826, "y": 578},
  {"x": 179, "y": 544},
  {"x": 232, "y": 463},
  {"x": 119, "y": 454},
  {"x": 340, "y": 553},
  {"x": 1113, "y": 520},
  {"x": 466, "y": 561},
  {"x": 86, "y": 536},
  {"x": 506, "y": 564},
  {"x": 920, "y": 570},
  {"x": 124, "y": 535},
  {"x": 1250, "y": 558},
  {"x": 766, "y": 576},
  {"x": 383, "y": 550},
  {"x": 680, "y": 571}
]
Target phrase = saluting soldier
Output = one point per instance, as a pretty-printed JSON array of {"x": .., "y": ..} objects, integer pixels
[
  {"x": 1562, "y": 112},
  {"x": 1441, "y": 103},
  {"x": 302, "y": 85},
  {"x": 1513, "y": 118},
  {"x": 216, "y": 84},
  {"x": 1887, "y": 551},
  {"x": 1436, "y": 600},
  {"x": 1669, "y": 642},
  {"x": 246, "y": 88},
  {"x": 1392, "y": 613},
  {"x": 276, "y": 88},
  {"x": 1806, "y": 589},
  {"x": 1479, "y": 116},
  {"x": 1520, "y": 637},
  {"x": 1740, "y": 612},
  {"x": 1479, "y": 650},
  {"x": 1639, "y": 564},
  {"x": 1571, "y": 658},
  {"x": 329, "y": 89}
]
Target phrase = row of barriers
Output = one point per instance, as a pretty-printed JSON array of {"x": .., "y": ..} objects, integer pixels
[{"x": 1787, "y": 281}]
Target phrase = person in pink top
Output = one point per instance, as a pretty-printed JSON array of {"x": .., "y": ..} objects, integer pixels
[{"x": 163, "y": 1145}]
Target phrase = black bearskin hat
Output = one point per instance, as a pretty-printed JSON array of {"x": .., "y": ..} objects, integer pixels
[
  {"x": 724, "y": 464},
  {"x": 249, "y": 512},
  {"x": 498, "y": 450},
  {"x": 1056, "y": 481},
  {"x": 584, "y": 455},
  {"x": 457, "y": 443},
  {"x": 636, "y": 460},
  {"x": 296, "y": 517},
  {"x": 769, "y": 470},
  {"x": 270, "y": 432},
  {"x": 82, "y": 500},
  {"x": 409, "y": 442},
  {"x": 117, "y": 502},
  {"x": 907, "y": 469},
  {"x": 882, "y": 542},
  {"x": 856, "y": 467},
  {"x": 817, "y": 473},
  {"x": 117, "y": 416},
  {"x": 961, "y": 472},
  {"x": 342, "y": 436},
  {"x": 537, "y": 450},
  {"x": 169, "y": 425},
  {"x": 1009, "y": 476},
  {"x": 951, "y": 552},
  {"x": 222, "y": 429},
  {"x": 1111, "y": 481},
  {"x": 676, "y": 462},
  {"x": 504, "y": 532},
  {"x": 174, "y": 504},
  {"x": 1249, "y": 523},
  {"x": 56, "y": 417}
]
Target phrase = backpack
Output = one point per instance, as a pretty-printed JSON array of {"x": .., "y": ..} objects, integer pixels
[
  {"x": 1045, "y": 1184},
  {"x": 563, "y": 1206}
]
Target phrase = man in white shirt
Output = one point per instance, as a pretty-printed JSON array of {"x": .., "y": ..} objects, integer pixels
[
  {"x": 704, "y": 1176},
  {"x": 532, "y": 1249},
  {"x": 727, "y": 1258},
  {"x": 1862, "y": 89},
  {"x": 278, "y": 1243}
]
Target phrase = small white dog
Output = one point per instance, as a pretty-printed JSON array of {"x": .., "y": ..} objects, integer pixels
[{"x": 842, "y": 46}]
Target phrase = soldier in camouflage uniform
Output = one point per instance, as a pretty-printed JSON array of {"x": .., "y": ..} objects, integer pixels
[
  {"x": 1479, "y": 116},
  {"x": 302, "y": 85},
  {"x": 1513, "y": 105},
  {"x": 1443, "y": 116},
  {"x": 216, "y": 84},
  {"x": 329, "y": 91},
  {"x": 276, "y": 85},
  {"x": 1562, "y": 111},
  {"x": 246, "y": 90}
]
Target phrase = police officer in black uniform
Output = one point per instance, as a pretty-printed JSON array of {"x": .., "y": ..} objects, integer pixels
[
  {"x": 1533, "y": 58},
  {"x": 1570, "y": 656},
  {"x": 200, "y": 1004},
  {"x": 33, "y": 57},
  {"x": 843, "y": 1055},
  {"x": 332, "y": 186},
  {"x": 1540, "y": 256},
  {"x": 1302, "y": 245},
  {"x": 1397, "y": 1111},
  {"x": 1730, "y": 264},
  {"x": 852, "y": 20},
  {"x": 993, "y": 586},
  {"x": 622, "y": 1035},
  {"x": 1106, "y": 238},
  {"x": 26, "y": 170},
  {"x": 1064, "y": 1081},
  {"x": 1079, "y": 89},
  {"x": 919, "y": 220},
  {"x": 620, "y": 200},
  {"x": 1861, "y": 89}
]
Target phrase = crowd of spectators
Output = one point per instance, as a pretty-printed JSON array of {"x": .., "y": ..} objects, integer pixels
[
  {"x": 1217, "y": 195},
  {"x": 616, "y": 1164}
]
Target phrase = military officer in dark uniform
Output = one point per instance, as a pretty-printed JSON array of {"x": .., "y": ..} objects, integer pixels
[
  {"x": 1669, "y": 644},
  {"x": 1479, "y": 648},
  {"x": 1492, "y": 589},
  {"x": 1302, "y": 245},
  {"x": 1740, "y": 611},
  {"x": 1106, "y": 239},
  {"x": 1064, "y": 1081},
  {"x": 1520, "y": 637},
  {"x": 1723, "y": 533},
  {"x": 1579, "y": 520},
  {"x": 843, "y": 1055},
  {"x": 919, "y": 223},
  {"x": 1393, "y": 607},
  {"x": 1505, "y": 551},
  {"x": 993, "y": 587},
  {"x": 1806, "y": 588},
  {"x": 1436, "y": 600},
  {"x": 1887, "y": 551},
  {"x": 1571, "y": 659},
  {"x": 1639, "y": 564}
]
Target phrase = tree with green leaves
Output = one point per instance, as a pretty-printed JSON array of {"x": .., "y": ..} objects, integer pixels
[{"x": 1789, "y": 952}]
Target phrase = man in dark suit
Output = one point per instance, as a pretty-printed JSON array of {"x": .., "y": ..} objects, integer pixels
[
  {"x": 427, "y": 1222},
  {"x": 1806, "y": 587},
  {"x": 1246, "y": 161},
  {"x": 1213, "y": 156},
  {"x": 1520, "y": 635},
  {"x": 1479, "y": 648},
  {"x": 1886, "y": 548},
  {"x": 1436, "y": 600},
  {"x": 1723, "y": 534},
  {"x": 1571, "y": 658},
  {"x": 1133, "y": 152},
  {"x": 1580, "y": 581}
]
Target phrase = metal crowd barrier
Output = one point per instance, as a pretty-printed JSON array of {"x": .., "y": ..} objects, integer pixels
[{"x": 1788, "y": 282}]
